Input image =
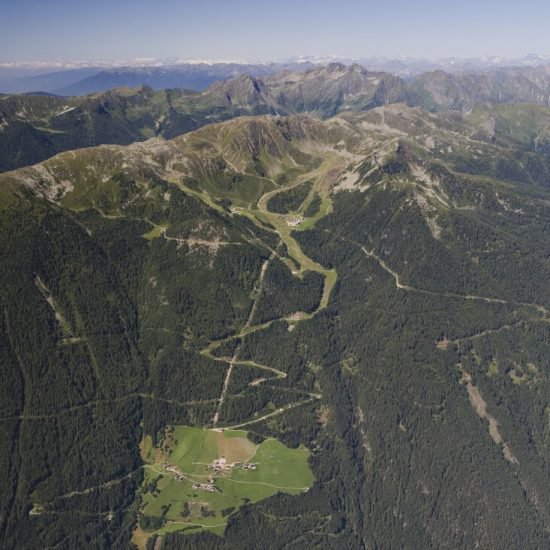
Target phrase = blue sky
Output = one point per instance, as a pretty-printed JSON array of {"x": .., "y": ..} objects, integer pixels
[{"x": 264, "y": 29}]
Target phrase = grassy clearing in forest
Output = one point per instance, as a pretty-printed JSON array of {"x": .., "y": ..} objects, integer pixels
[
  {"x": 155, "y": 232},
  {"x": 170, "y": 502}
]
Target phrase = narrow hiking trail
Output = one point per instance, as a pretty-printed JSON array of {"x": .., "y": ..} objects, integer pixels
[
  {"x": 235, "y": 358},
  {"x": 98, "y": 402},
  {"x": 298, "y": 262},
  {"x": 470, "y": 297},
  {"x": 192, "y": 242},
  {"x": 41, "y": 508},
  {"x": 487, "y": 332},
  {"x": 276, "y": 412}
]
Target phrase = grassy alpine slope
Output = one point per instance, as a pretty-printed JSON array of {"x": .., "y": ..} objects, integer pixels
[{"x": 139, "y": 294}]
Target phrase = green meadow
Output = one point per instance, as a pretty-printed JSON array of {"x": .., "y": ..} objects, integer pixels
[{"x": 172, "y": 504}]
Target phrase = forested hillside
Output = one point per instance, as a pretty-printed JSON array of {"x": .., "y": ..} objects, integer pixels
[{"x": 371, "y": 290}]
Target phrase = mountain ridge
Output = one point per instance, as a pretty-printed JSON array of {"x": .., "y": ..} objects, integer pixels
[
  {"x": 22, "y": 77},
  {"x": 35, "y": 127}
]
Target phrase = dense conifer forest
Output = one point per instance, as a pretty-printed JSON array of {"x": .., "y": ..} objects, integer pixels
[{"x": 372, "y": 288}]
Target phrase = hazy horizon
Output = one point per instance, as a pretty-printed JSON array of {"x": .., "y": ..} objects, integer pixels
[
  {"x": 152, "y": 61},
  {"x": 61, "y": 31}
]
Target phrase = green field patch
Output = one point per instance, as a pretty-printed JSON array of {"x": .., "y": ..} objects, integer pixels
[
  {"x": 155, "y": 232},
  {"x": 206, "y": 475}
]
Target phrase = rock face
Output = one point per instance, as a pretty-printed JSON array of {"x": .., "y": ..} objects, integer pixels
[
  {"x": 441, "y": 91},
  {"x": 325, "y": 91}
]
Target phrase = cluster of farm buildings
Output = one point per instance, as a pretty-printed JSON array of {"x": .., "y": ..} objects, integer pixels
[{"x": 218, "y": 465}]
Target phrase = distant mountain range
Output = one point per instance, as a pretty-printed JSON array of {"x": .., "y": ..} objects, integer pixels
[
  {"x": 409, "y": 66},
  {"x": 89, "y": 77},
  {"x": 35, "y": 127},
  {"x": 82, "y": 81}
]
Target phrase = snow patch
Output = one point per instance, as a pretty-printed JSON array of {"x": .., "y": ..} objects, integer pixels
[{"x": 66, "y": 110}]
